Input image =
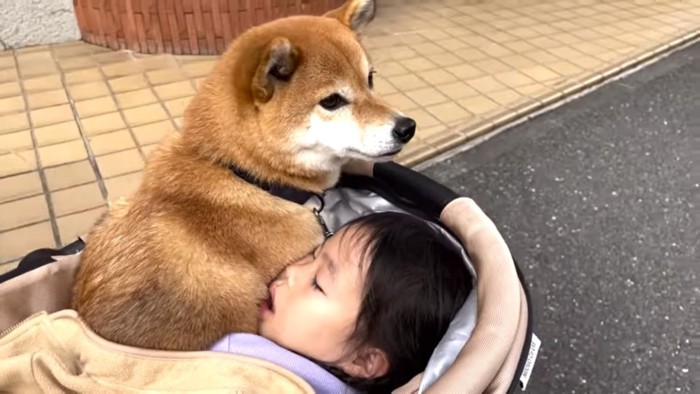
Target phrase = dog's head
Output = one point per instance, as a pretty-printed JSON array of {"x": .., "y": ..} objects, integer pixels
[{"x": 303, "y": 87}]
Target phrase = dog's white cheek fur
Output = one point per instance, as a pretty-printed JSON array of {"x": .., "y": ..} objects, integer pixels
[{"x": 332, "y": 138}]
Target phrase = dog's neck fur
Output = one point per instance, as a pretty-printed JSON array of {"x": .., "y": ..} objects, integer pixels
[{"x": 231, "y": 140}]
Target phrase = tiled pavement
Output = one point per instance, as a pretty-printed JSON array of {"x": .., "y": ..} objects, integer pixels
[{"x": 77, "y": 121}]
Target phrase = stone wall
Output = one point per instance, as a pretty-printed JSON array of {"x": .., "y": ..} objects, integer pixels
[{"x": 36, "y": 22}]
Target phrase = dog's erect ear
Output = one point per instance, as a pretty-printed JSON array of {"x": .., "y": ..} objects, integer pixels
[
  {"x": 355, "y": 14},
  {"x": 277, "y": 64}
]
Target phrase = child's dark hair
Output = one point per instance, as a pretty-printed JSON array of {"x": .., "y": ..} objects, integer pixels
[{"x": 415, "y": 284}]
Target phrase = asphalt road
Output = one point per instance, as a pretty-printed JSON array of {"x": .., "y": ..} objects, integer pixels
[{"x": 598, "y": 201}]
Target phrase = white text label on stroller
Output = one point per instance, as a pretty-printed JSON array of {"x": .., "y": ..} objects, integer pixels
[{"x": 530, "y": 362}]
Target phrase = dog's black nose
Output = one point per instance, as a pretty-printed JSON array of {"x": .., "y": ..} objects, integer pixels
[{"x": 404, "y": 129}]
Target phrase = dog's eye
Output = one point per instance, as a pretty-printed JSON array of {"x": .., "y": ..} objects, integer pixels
[
  {"x": 370, "y": 79},
  {"x": 333, "y": 102}
]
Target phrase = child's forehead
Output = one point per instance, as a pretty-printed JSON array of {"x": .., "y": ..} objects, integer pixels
[{"x": 349, "y": 246}]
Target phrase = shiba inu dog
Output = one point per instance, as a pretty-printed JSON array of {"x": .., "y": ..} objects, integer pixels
[{"x": 190, "y": 258}]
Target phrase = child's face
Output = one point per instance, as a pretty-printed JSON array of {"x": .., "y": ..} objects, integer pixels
[{"x": 315, "y": 301}]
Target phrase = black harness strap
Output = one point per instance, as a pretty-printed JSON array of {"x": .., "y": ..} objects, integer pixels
[{"x": 289, "y": 193}]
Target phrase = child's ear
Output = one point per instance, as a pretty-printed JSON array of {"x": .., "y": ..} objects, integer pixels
[{"x": 368, "y": 363}]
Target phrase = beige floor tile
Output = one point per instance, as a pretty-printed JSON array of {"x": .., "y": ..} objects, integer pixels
[
  {"x": 518, "y": 61},
  {"x": 471, "y": 54},
  {"x": 491, "y": 66},
  {"x": 401, "y": 53},
  {"x": 88, "y": 90},
  {"x": 17, "y": 162},
  {"x": 65, "y": 152},
  {"x": 77, "y": 49},
  {"x": 387, "y": 69},
  {"x": 95, "y": 106},
  {"x": 540, "y": 73},
  {"x": 17, "y": 243},
  {"x": 506, "y": 98},
  {"x": 486, "y": 84},
  {"x": 452, "y": 44},
  {"x": 174, "y": 90},
  {"x": 119, "y": 163},
  {"x": 541, "y": 56},
  {"x": 41, "y": 84},
  {"x": 448, "y": 112},
  {"x": 51, "y": 115},
  {"x": 422, "y": 118},
  {"x": 11, "y": 104},
  {"x": 7, "y": 61},
  {"x": 37, "y": 69},
  {"x": 19, "y": 186},
  {"x": 383, "y": 87},
  {"x": 465, "y": 71},
  {"x": 47, "y": 99},
  {"x": 177, "y": 106},
  {"x": 107, "y": 58},
  {"x": 111, "y": 142},
  {"x": 457, "y": 90},
  {"x": 445, "y": 59},
  {"x": 513, "y": 79},
  {"x": 495, "y": 50},
  {"x": 79, "y": 224},
  {"x": 400, "y": 101},
  {"x": 123, "y": 186},
  {"x": 144, "y": 114},
  {"x": 198, "y": 68},
  {"x": 34, "y": 58},
  {"x": 55, "y": 133},
  {"x": 128, "y": 83},
  {"x": 135, "y": 98},
  {"x": 438, "y": 77},
  {"x": 157, "y": 62},
  {"x": 427, "y": 96},
  {"x": 564, "y": 68},
  {"x": 8, "y": 89},
  {"x": 102, "y": 123},
  {"x": 23, "y": 212},
  {"x": 407, "y": 82},
  {"x": 19, "y": 140},
  {"x": 427, "y": 48},
  {"x": 76, "y": 63},
  {"x": 152, "y": 132},
  {"x": 69, "y": 175},
  {"x": 8, "y": 75},
  {"x": 419, "y": 64},
  {"x": 82, "y": 76},
  {"x": 533, "y": 91},
  {"x": 121, "y": 69},
  {"x": 77, "y": 199},
  {"x": 159, "y": 77},
  {"x": 544, "y": 42},
  {"x": 479, "y": 105},
  {"x": 520, "y": 46}
]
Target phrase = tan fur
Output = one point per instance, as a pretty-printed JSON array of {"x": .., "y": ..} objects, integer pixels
[{"x": 189, "y": 259}]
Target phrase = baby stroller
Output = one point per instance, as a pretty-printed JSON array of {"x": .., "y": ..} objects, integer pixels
[{"x": 489, "y": 346}]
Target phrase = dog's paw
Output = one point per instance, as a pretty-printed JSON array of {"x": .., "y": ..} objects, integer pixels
[{"x": 359, "y": 167}]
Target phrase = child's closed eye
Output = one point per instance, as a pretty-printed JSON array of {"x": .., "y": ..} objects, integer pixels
[{"x": 316, "y": 286}]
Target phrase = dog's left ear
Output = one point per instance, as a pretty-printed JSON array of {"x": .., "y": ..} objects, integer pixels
[
  {"x": 355, "y": 14},
  {"x": 278, "y": 62}
]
